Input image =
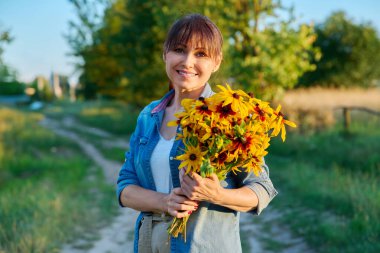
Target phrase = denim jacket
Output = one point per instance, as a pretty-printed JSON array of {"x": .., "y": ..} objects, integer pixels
[{"x": 212, "y": 228}]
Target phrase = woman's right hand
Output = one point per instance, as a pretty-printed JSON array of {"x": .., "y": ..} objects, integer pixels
[{"x": 178, "y": 205}]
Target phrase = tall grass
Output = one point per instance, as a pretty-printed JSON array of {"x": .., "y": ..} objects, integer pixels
[
  {"x": 328, "y": 183},
  {"x": 48, "y": 189}
]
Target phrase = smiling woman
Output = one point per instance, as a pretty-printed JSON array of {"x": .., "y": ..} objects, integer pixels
[{"x": 192, "y": 52}]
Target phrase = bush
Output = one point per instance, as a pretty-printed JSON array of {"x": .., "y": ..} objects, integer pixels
[
  {"x": 11, "y": 88},
  {"x": 350, "y": 54}
]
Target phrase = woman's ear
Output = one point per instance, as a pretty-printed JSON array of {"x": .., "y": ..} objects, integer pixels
[{"x": 218, "y": 61}]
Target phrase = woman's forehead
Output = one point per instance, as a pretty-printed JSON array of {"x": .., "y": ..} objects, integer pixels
[
  {"x": 192, "y": 46},
  {"x": 194, "y": 42}
]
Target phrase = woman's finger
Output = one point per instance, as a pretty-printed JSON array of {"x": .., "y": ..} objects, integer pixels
[{"x": 182, "y": 174}]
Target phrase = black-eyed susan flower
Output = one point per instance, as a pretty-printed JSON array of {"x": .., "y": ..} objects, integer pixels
[
  {"x": 192, "y": 158},
  {"x": 238, "y": 99},
  {"x": 279, "y": 122}
]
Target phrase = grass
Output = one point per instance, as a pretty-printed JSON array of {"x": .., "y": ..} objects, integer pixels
[
  {"x": 108, "y": 151},
  {"x": 46, "y": 187},
  {"x": 114, "y": 153},
  {"x": 111, "y": 116},
  {"x": 328, "y": 183}
]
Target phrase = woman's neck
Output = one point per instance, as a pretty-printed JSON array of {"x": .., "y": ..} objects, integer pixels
[{"x": 183, "y": 94}]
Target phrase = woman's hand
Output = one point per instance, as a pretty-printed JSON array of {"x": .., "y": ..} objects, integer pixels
[
  {"x": 179, "y": 205},
  {"x": 198, "y": 188}
]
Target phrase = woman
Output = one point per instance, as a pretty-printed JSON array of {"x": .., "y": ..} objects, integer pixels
[{"x": 149, "y": 180}]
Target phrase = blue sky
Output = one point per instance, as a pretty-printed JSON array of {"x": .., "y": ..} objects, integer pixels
[{"x": 38, "y": 27}]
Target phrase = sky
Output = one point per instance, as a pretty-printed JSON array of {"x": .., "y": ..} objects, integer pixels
[{"x": 38, "y": 26}]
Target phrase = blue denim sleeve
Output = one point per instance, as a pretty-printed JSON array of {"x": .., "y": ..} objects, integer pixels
[
  {"x": 127, "y": 174},
  {"x": 261, "y": 185}
]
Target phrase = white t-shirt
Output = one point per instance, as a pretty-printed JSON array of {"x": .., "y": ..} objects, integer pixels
[{"x": 159, "y": 162}]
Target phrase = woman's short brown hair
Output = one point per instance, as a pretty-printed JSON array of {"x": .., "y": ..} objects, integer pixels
[{"x": 197, "y": 30}]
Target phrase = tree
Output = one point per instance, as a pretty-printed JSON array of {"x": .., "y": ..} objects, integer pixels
[
  {"x": 124, "y": 57},
  {"x": 81, "y": 38},
  {"x": 350, "y": 53},
  {"x": 7, "y": 74},
  {"x": 267, "y": 54}
]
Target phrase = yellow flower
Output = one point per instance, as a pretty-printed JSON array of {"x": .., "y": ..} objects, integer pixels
[
  {"x": 192, "y": 158},
  {"x": 225, "y": 115},
  {"x": 203, "y": 106},
  {"x": 261, "y": 110},
  {"x": 279, "y": 122},
  {"x": 220, "y": 159},
  {"x": 254, "y": 165},
  {"x": 238, "y": 99}
]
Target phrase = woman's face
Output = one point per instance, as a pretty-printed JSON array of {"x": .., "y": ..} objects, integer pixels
[{"x": 189, "y": 68}]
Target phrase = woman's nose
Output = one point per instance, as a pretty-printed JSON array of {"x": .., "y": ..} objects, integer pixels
[{"x": 188, "y": 60}]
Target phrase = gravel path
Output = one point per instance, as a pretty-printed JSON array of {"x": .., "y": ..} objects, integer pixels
[{"x": 263, "y": 233}]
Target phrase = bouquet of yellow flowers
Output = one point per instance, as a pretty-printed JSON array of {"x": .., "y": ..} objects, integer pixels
[{"x": 228, "y": 131}]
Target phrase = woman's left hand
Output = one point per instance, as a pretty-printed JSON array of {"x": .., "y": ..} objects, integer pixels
[{"x": 198, "y": 188}]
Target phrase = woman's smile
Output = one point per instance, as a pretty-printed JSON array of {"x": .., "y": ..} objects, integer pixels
[{"x": 186, "y": 74}]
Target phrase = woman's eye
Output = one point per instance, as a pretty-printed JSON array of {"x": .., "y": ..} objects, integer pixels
[
  {"x": 178, "y": 50},
  {"x": 201, "y": 54}
]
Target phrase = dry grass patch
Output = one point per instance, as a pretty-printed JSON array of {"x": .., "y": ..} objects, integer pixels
[
  {"x": 328, "y": 99},
  {"x": 319, "y": 108}
]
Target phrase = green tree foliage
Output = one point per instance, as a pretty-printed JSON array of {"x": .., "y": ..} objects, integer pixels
[
  {"x": 11, "y": 88},
  {"x": 350, "y": 53},
  {"x": 81, "y": 38},
  {"x": 267, "y": 54},
  {"x": 122, "y": 54},
  {"x": 123, "y": 58},
  {"x": 7, "y": 74}
]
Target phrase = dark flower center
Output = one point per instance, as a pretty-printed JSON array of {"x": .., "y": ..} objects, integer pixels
[
  {"x": 215, "y": 130},
  {"x": 243, "y": 142},
  {"x": 193, "y": 157},
  {"x": 201, "y": 99},
  {"x": 251, "y": 94},
  {"x": 260, "y": 112},
  {"x": 225, "y": 110},
  {"x": 204, "y": 107},
  {"x": 235, "y": 95},
  {"x": 222, "y": 157}
]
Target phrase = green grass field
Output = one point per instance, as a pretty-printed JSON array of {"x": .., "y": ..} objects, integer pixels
[
  {"x": 329, "y": 186},
  {"x": 47, "y": 187},
  {"x": 327, "y": 180}
]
